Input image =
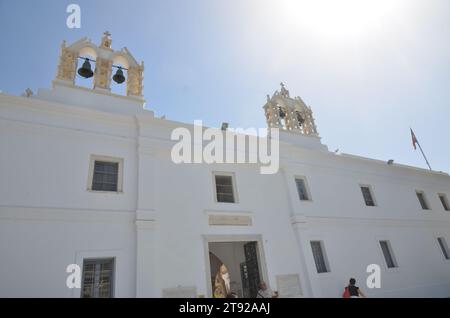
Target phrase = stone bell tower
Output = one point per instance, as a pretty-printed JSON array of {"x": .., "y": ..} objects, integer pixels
[
  {"x": 107, "y": 61},
  {"x": 289, "y": 114}
]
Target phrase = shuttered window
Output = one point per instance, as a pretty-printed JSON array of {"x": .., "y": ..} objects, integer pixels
[
  {"x": 444, "y": 247},
  {"x": 388, "y": 255},
  {"x": 422, "y": 200},
  {"x": 319, "y": 256},
  {"x": 367, "y": 195},
  {"x": 302, "y": 190},
  {"x": 224, "y": 188},
  {"x": 105, "y": 176},
  {"x": 444, "y": 202}
]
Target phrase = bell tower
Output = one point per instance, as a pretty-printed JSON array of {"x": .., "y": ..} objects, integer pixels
[
  {"x": 289, "y": 114},
  {"x": 107, "y": 61}
]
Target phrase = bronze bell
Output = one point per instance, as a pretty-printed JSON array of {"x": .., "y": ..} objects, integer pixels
[
  {"x": 85, "y": 70},
  {"x": 118, "y": 77}
]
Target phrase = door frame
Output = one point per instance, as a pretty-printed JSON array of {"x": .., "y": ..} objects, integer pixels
[{"x": 230, "y": 239}]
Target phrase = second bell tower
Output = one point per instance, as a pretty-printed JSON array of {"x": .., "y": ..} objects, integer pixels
[{"x": 289, "y": 114}]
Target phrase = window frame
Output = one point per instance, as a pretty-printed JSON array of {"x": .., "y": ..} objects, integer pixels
[
  {"x": 233, "y": 183},
  {"x": 98, "y": 260},
  {"x": 444, "y": 201},
  {"x": 445, "y": 255},
  {"x": 119, "y": 161},
  {"x": 324, "y": 256},
  {"x": 305, "y": 182},
  {"x": 391, "y": 254},
  {"x": 372, "y": 194},
  {"x": 425, "y": 200}
]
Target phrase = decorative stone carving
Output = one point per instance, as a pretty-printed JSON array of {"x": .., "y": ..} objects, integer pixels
[
  {"x": 224, "y": 219},
  {"x": 272, "y": 114},
  {"x": 67, "y": 67},
  {"x": 289, "y": 286},
  {"x": 135, "y": 80},
  {"x": 106, "y": 41},
  {"x": 288, "y": 113},
  {"x": 102, "y": 76},
  {"x": 105, "y": 57},
  {"x": 284, "y": 92}
]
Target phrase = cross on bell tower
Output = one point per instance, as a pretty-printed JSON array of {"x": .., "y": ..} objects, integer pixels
[
  {"x": 284, "y": 92},
  {"x": 106, "y": 40}
]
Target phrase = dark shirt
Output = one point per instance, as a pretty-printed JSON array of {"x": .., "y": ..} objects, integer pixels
[{"x": 353, "y": 290}]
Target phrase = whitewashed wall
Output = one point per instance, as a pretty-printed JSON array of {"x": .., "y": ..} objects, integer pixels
[{"x": 158, "y": 227}]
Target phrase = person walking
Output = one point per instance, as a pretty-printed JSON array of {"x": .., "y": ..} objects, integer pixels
[{"x": 353, "y": 291}]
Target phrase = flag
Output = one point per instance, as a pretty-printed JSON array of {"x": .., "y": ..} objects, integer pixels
[
  {"x": 414, "y": 142},
  {"x": 414, "y": 139}
]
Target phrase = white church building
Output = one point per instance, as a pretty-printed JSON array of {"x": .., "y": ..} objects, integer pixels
[{"x": 87, "y": 178}]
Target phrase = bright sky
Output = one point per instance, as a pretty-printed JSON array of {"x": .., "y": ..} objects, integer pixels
[{"x": 369, "y": 69}]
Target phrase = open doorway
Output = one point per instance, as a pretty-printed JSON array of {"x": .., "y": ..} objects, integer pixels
[{"x": 235, "y": 268}]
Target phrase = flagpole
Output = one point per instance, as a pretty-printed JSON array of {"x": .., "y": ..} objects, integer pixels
[
  {"x": 420, "y": 147},
  {"x": 423, "y": 154}
]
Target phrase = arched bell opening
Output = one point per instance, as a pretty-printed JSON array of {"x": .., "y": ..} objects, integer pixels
[
  {"x": 300, "y": 120},
  {"x": 119, "y": 74},
  {"x": 119, "y": 77},
  {"x": 282, "y": 114},
  {"x": 85, "y": 71},
  {"x": 120, "y": 59}
]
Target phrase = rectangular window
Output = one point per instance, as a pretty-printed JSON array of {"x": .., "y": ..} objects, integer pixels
[
  {"x": 224, "y": 188},
  {"x": 98, "y": 278},
  {"x": 422, "y": 200},
  {"x": 319, "y": 257},
  {"x": 388, "y": 254},
  {"x": 105, "y": 174},
  {"x": 367, "y": 195},
  {"x": 302, "y": 190},
  {"x": 444, "y": 201},
  {"x": 444, "y": 247}
]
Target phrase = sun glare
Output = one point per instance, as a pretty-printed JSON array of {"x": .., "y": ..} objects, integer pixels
[{"x": 338, "y": 18}]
